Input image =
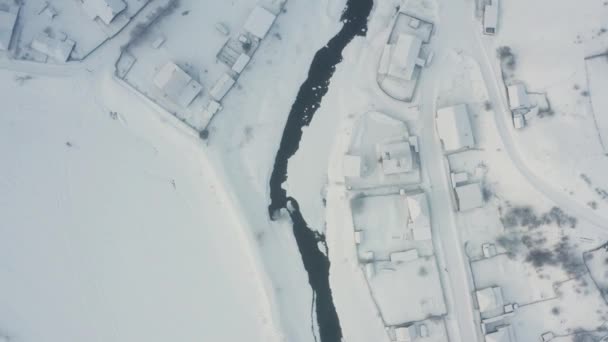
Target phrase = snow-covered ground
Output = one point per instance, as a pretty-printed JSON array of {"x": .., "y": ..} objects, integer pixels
[{"x": 114, "y": 228}]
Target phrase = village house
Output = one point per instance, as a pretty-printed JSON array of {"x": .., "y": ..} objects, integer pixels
[
  {"x": 454, "y": 128},
  {"x": 490, "y": 17},
  {"x": 259, "y": 22},
  {"x": 176, "y": 85},
  {"x": 401, "y": 60},
  {"x": 105, "y": 10},
  {"x": 57, "y": 49},
  {"x": 396, "y": 157}
]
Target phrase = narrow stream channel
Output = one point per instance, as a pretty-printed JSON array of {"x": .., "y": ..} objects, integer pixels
[{"x": 307, "y": 102}]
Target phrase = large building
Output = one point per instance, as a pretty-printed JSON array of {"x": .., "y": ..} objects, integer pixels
[
  {"x": 176, "y": 85},
  {"x": 7, "y": 25},
  {"x": 105, "y": 10},
  {"x": 454, "y": 128},
  {"x": 404, "y": 57},
  {"x": 259, "y": 22}
]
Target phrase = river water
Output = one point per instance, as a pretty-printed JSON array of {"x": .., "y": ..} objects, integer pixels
[{"x": 311, "y": 243}]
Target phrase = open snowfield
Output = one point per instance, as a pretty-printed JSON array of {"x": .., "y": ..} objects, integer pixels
[{"x": 114, "y": 229}]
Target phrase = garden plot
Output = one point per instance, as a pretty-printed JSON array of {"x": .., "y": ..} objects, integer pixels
[
  {"x": 67, "y": 20},
  {"x": 408, "y": 292},
  {"x": 382, "y": 221},
  {"x": 554, "y": 63},
  {"x": 578, "y": 308}
]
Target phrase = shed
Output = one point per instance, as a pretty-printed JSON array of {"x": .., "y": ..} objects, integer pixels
[
  {"x": 7, "y": 26},
  {"x": 518, "y": 97},
  {"x": 222, "y": 87},
  {"x": 419, "y": 220},
  {"x": 259, "y": 22},
  {"x": 490, "y": 18},
  {"x": 454, "y": 128},
  {"x": 177, "y": 85},
  {"x": 405, "y": 334},
  {"x": 404, "y": 56},
  {"x": 54, "y": 48},
  {"x": 105, "y": 10},
  {"x": 396, "y": 157},
  {"x": 469, "y": 196}
]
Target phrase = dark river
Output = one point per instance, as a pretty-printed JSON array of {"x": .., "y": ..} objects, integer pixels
[{"x": 302, "y": 111}]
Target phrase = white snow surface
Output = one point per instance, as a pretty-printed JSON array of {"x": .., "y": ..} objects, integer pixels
[{"x": 115, "y": 230}]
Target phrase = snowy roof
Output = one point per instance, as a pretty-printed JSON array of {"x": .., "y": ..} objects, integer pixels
[
  {"x": 221, "y": 87},
  {"x": 518, "y": 97},
  {"x": 503, "y": 334},
  {"x": 490, "y": 17},
  {"x": 396, "y": 157},
  {"x": 454, "y": 128},
  {"x": 418, "y": 208},
  {"x": 240, "y": 63},
  {"x": 351, "y": 166},
  {"x": 106, "y": 10},
  {"x": 404, "y": 56},
  {"x": 54, "y": 48},
  {"x": 7, "y": 25},
  {"x": 259, "y": 22},
  {"x": 469, "y": 196},
  {"x": 176, "y": 84},
  {"x": 490, "y": 299}
]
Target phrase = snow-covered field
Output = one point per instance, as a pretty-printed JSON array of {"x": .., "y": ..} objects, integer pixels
[{"x": 115, "y": 229}]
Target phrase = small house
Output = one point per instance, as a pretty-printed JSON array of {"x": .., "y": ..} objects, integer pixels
[
  {"x": 419, "y": 220},
  {"x": 502, "y": 334},
  {"x": 105, "y": 10},
  {"x": 176, "y": 85},
  {"x": 490, "y": 301},
  {"x": 454, "y": 128},
  {"x": 518, "y": 96},
  {"x": 259, "y": 22},
  {"x": 404, "y": 57},
  {"x": 52, "y": 47},
  {"x": 222, "y": 87},
  {"x": 469, "y": 196}
]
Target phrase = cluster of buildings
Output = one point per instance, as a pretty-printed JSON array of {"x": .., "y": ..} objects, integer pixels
[
  {"x": 392, "y": 230},
  {"x": 58, "y": 32},
  {"x": 174, "y": 87},
  {"x": 456, "y": 135},
  {"x": 403, "y": 57}
]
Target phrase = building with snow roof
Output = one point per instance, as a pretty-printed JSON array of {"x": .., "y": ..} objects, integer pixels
[
  {"x": 404, "y": 57},
  {"x": 52, "y": 47},
  {"x": 259, "y": 22},
  {"x": 454, "y": 128},
  {"x": 222, "y": 87},
  {"x": 396, "y": 157},
  {"x": 105, "y": 10},
  {"x": 7, "y": 26},
  {"x": 406, "y": 334},
  {"x": 469, "y": 196},
  {"x": 502, "y": 334},
  {"x": 419, "y": 219},
  {"x": 490, "y": 17},
  {"x": 176, "y": 85},
  {"x": 518, "y": 96},
  {"x": 490, "y": 301}
]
